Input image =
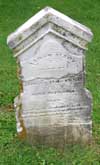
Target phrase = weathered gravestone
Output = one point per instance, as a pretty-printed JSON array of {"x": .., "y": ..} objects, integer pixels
[{"x": 53, "y": 107}]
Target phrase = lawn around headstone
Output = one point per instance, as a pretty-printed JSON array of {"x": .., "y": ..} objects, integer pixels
[{"x": 12, "y": 150}]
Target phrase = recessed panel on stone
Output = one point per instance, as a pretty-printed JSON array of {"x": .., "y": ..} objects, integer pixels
[{"x": 50, "y": 51}]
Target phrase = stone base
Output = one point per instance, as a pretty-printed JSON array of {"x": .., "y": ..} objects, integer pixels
[
  {"x": 52, "y": 135},
  {"x": 59, "y": 136}
]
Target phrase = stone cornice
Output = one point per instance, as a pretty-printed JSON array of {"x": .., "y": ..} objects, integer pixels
[{"x": 45, "y": 16}]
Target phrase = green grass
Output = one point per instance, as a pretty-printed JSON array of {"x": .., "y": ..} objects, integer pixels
[{"x": 12, "y": 151}]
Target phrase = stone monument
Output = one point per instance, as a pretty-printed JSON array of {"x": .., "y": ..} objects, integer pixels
[{"x": 53, "y": 107}]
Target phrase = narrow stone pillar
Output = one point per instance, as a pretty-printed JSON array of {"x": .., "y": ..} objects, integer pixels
[{"x": 53, "y": 107}]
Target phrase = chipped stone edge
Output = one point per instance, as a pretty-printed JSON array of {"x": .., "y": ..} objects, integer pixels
[{"x": 21, "y": 130}]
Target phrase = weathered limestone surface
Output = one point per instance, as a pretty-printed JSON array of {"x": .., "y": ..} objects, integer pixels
[{"x": 53, "y": 107}]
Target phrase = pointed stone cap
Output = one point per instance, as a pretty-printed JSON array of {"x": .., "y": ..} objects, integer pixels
[{"x": 48, "y": 15}]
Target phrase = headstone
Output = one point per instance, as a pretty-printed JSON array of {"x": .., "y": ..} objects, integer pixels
[{"x": 53, "y": 107}]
